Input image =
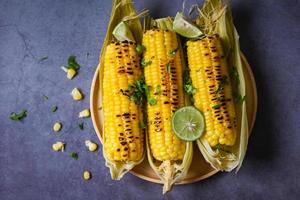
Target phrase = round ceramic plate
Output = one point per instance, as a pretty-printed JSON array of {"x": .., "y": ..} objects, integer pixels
[{"x": 199, "y": 169}]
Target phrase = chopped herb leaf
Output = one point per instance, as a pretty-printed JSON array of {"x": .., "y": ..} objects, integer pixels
[
  {"x": 80, "y": 125},
  {"x": 188, "y": 86},
  {"x": 87, "y": 54},
  {"x": 140, "y": 49},
  {"x": 74, "y": 155},
  {"x": 137, "y": 92},
  {"x": 169, "y": 67},
  {"x": 158, "y": 90},
  {"x": 145, "y": 63},
  {"x": 142, "y": 125},
  {"x": 239, "y": 99},
  {"x": 217, "y": 106},
  {"x": 45, "y": 97},
  {"x": 189, "y": 89},
  {"x": 223, "y": 81},
  {"x": 43, "y": 59},
  {"x": 152, "y": 101},
  {"x": 173, "y": 52},
  {"x": 235, "y": 75},
  {"x": 72, "y": 63},
  {"x": 18, "y": 116},
  {"x": 54, "y": 109}
]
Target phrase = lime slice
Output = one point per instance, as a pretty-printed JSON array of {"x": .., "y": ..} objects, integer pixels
[
  {"x": 122, "y": 32},
  {"x": 185, "y": 27},
  {"x": 188, "y": 123}
]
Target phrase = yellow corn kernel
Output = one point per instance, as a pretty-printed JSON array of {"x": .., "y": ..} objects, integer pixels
[
  {"x": 87, "y": 175},
  {"x": 164, "y": 72},
  {"x": 91, "y": 145},
  {"x": 57, "y": 126},
  {"x": 76, "y": 94},
  {"x": 58, "y": 146},
  {"x": 71, "y": 73},
  {"x": 84, "y": 113},
  {"x": 210, "y": 77}
]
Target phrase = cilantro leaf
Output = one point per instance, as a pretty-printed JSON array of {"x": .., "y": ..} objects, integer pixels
[
  {"x": 74, "y": 155},
  {"x": 72, "y": 63},
  {"x": 145, "y": 63},
  {"x": 18, "y": 116},
  {"x": 140, "y": 49},
  {"x": 158, "y": 90},
  {"x": 234, "y": 75},
  {"x": 54, "y": 109},
  {"x": 43, "y": 59},
  {"x": 152, "y": 101},
  {"x": 80, "y": 125}
]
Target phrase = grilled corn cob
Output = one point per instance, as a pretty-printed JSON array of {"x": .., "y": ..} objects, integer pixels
[
  {"x": 168, "y": 156},
  {"x": 164, "y": 77},
  {"x": 209, "y": 75},
  {"x": 123, "y": 138}
]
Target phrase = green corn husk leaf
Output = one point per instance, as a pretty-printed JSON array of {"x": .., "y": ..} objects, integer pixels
[
  {"x": 215, "y": 17},
  {"x": 170, "y": 172},
  {"x": 122, "y": 10}
]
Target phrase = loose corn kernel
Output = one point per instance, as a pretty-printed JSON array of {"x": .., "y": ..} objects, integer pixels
[
  {"x": 91, "y": 145},
  {"x": 58, "y": 146},
  {"x": 57, "y": 126},
  {"x": 76, "y": 94},
  {"x": 71, "y": 73},
  {"x": 84, "y": 113},
  {"x": 86, "y": 175}
]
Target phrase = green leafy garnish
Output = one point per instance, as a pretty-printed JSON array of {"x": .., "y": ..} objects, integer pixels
[
  {"x": 72, "y": 63},
  {"x": 145, "y": 63},
  {"x": 158, "y": 90},
  {"x": 18, "y": 116},
  {"x": 137, "y": 92},
  {"x": 45, "y": 97},
  {"x": 223, "y": 81},
  {"x": 140, "y": 49},
  {"x": 80, "y": 125},
  {"x": 188, "y": 86},
  {"x": 74, "y": 155},
  {"x": 234, "y": 75},
  {"x": 217, "y": 106},
  {"x": 142, "y": 125},
  {"x": 169, "y": 67},
  {"x": 239, "y": 99},
  {"x": 43, "y": 59},
  {"x": 54, "y": 109},
  {"x": 173, "y": 52},
  {"x": 152, "y": 101}
]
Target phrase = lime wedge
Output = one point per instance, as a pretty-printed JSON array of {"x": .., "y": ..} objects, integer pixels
[
  {"x": 188, "y": 123},
  {"x": 185, "y": 27},
  {"x": 122, "y": 32}
]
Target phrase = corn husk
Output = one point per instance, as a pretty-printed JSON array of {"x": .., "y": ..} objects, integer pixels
[
  {"x": 215, "y": 17},
  {"x": 169, "y": 172},
  {"x": 122, "y": 10}
]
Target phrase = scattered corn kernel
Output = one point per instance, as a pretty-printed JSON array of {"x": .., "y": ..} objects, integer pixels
[
  {"x": 57, "y": 126},
  {"x": 84, "y": 113},
  {"x": 76, "y": 94},
  {"x": 58, "y": 146},
  {"x": 86, "y": 175},
  {"x": 91, "y": 145},
  {"x": 70, "y": 72}
]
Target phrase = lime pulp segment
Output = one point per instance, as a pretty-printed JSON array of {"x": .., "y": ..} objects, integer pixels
[{"x": 185, "y": 27}]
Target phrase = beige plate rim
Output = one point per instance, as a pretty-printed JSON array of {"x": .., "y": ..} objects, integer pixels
[{"x": 93, "y": 94}]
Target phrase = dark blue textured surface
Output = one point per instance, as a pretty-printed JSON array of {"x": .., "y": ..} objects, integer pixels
[{"x": 29, "y": 170}]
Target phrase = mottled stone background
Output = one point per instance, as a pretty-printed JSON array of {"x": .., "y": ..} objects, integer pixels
[{"x": 29, "y": 170}]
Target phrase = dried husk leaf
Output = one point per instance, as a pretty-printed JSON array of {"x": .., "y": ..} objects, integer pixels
[
  {"x": 121, "y": 11},
  {"x": 170, "y": 172},
  {"x": 215, "y": 17}
]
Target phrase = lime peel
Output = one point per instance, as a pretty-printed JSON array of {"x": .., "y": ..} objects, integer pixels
[
  {"x": 122, "y": 32},
  {"x": 185, "y": 27}
]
